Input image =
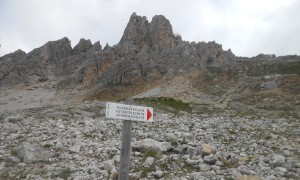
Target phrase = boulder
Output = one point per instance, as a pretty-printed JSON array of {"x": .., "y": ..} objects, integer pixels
[
  {"x": 12, "y": 160},
  {"x": 190, "y": 150},
  {"x": 27, "y": 153},
  {"x": 108, "y": 165},
  {"x": 158, "y": 174},
  {"x": 151, "y": 144},
  {"x": 207, "y": 149},
  {"x": 75, "y": 149},
  {"x": 210, "y": 159},
  {"x": 149, "y": 161},
  {"x": 278, "y": 160}
]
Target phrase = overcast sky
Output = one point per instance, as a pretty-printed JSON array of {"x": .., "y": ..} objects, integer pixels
[{"x": 247, "y": 27}]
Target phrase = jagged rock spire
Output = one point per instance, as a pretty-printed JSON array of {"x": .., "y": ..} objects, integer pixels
[
  {"x": 160, "y": 32},
  {"x": 136, "y": 30},
  {"x": 82, "y": 46},
  {"x": 156, "y": 33}
]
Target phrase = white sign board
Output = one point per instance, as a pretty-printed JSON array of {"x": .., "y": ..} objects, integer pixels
[{"x": 129, "y": 112}]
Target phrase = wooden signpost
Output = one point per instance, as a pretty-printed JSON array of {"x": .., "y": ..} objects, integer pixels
[{"x": 127, "y": 113}]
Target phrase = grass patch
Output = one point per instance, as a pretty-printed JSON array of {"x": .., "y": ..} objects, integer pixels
[
  {"x": 174, "y": 143},
  {"x": 250, "y": 158},
  {"x": 183, "y": 141},
  {"x": 295, "y": 69},
  {"x": 187, "y": 168},
  {"x": 166, "y": 165},
  {"x": 150, "y": 153},
  {"x": 230, "y": 165},
  {"x": 229, "y": 178},
  {"x": 13, "y": 152},
  {"x": 268, "y": 137},
  {"x": 289, "y": 115},
  {"x": 145, "y": 172}
]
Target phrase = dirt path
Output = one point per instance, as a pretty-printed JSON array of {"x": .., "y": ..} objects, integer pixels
[{"x": 223, "y": 103}]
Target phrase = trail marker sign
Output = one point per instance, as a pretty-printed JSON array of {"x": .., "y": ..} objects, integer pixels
[{"x": 129, "y": 112}]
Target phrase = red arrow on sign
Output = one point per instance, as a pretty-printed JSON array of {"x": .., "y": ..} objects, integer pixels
[{"x": 149, "y": 114}]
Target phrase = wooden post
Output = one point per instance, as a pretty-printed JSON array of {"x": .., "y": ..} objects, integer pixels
[{"x": 125, "y": 148}]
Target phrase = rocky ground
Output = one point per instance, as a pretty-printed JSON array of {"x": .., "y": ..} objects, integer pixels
[{"x": 76, "y": 141}]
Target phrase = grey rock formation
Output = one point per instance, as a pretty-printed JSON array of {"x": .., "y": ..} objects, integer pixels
[
  {"x": 158, "y": 34},
  {"x": 52, "y": 51},
  {"x": 82, "y": 46},
  {"x": 136, "y": 30},
  {"x": 96, "y": 47},
  {"x": 21, "y": 68},
  {"x": 161, "y": 33}
]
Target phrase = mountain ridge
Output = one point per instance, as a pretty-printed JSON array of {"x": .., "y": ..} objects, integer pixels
[{"x": 149, "y": 56}]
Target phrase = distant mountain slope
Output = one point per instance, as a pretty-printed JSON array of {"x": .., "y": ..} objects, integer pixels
[{"x": 150, "y": 57}]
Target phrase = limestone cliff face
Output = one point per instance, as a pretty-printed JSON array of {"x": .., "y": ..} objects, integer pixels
[{"x": 148, "y": 52}]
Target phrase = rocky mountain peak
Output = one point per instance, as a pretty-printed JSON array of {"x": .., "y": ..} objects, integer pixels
[
  {"x": 160, "y": 32},
  {"x": 19, "y": 52},
  {"x": 60, "y": 48},
  {"x": 82, "y": 46},
  {"x": 136, "y": 30},
  {"x": 156, "y": 33},
  {"x": 97, "y": 46},
  {"x": 106, "y": 46},
  {"x": 51, "y": 51}
]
